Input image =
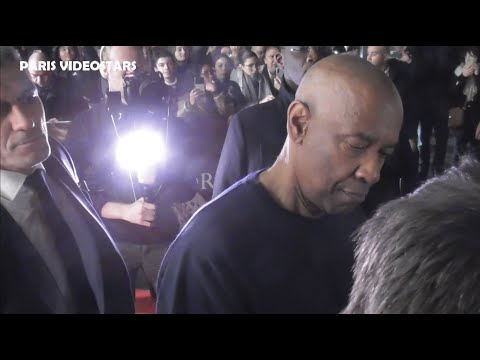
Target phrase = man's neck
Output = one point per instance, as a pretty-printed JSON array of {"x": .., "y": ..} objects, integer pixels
[
  {"x": 282, "y": 185},
  {"x": 170, "y": 81}
]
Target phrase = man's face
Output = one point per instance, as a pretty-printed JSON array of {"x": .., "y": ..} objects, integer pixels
[
  {"x": 41, "y": 78},
  {"x": 345, "y": 146},
  {"x": 250, "y": 66},
  {"x": 260, "y": 51},
  {"x": 121, "y": 54},
  {"x": 297, "y": 60},
  {"x": 166, "y": 66},
  {"x": 376, "y": 55},
  {"x": 270, "y": 61},
  {"x": 23, "y": 132}
]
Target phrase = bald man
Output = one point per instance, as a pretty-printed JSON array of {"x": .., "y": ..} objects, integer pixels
[
  {"x": 279, "y": 240},
  {"x": 52, "y": 90}
]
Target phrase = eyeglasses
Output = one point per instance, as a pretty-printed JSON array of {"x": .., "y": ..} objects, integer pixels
[{"x": 299, "y": 49}]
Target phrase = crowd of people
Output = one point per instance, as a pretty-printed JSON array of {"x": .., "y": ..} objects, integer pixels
[{"x": 288, "y": 174}]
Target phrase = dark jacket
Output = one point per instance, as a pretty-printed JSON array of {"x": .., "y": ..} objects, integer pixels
[
  {"x": 27, "y": 286},
  {"x": 254, "y": 139}
]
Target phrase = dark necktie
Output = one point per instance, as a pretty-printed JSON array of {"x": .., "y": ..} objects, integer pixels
[{"x": 82, "y": 294}]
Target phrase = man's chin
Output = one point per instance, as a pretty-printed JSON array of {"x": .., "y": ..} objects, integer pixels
[
  {"x": 339, "y": 209},
  {"x": 39, "y": 152}
]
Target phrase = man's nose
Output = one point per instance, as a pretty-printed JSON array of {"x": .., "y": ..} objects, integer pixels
[
  {"x": 20, "y": 119},
  {"x": 369, "y": 169}
]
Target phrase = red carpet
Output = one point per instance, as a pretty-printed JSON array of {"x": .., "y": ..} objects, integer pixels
[{"x": 144, "y": 303}]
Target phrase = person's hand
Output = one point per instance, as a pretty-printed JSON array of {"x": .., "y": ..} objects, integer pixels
[
  {"x": 277, "y": 82},
  {"x": 468, "y": 70},
  {"x": 58, "y": 129},
  {"x": 266, "y": 99},
  {"x": 194, "y": 94},
  {"x": 140, "y": 213},
  {"x": 475, "y": 68},
  {"x": 235, "y": 50},
  {"x": 405, "y": 57},
  {"x": 211, "y": 87}
]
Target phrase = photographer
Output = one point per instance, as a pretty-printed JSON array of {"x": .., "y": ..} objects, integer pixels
[
  {"x": 142, "y": 228},
  {"x": 51, "y": 89}
]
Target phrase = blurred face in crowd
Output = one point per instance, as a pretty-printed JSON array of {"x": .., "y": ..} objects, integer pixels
[
  {"x": 222, "y": 69},
  {"x": 377, "y": 55},
  {"x": 23, "y": 132},
  {"x": 250, "y": 67},
  {"x": 67, "y": 53},
  {"x": 296, "y": 61},
  {"x": 42, "y": 78},
  {"x": 206, "y": 73},
  {"x": 260, "y": 51},
  {"x": 270, "y": 59},
  {"x": 121, "y": 54},
  {"x": 182, "y": 53},
  {"x": 166, "y": 66},
  {"x": 314, "y": 53},
  {"x": 226, "y": 51}
]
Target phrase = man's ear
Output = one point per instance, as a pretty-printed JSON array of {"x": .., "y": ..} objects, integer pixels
[
  {"x": 104, "y": 72},
  {"x": 103, "y": 69},
  {"x": 298, "y": 120}
]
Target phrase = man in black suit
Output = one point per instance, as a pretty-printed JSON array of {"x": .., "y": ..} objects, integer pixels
[
  {"x": 256, "y": 135},
  {"x": 55, "y": 253}
]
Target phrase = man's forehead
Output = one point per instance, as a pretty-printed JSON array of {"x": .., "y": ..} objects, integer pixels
[
  {"x": 271, "y": 51},
  {"x": 377, "y": 49},
  {"x": 126, "y": 53},
  {"x": 164, "y": 60},
  {"x": 384, "y": 133},
  {"x": 383, "y": 126},
  {"x": 13, "y": 81}
]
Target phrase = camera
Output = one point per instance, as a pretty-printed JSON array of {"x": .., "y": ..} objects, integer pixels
[
  {"x": 144, "y": 90},
  {"x": 147, "y": 100},
  {"x": 151, "y": 143},
  {"x": 200, "y": 83}
]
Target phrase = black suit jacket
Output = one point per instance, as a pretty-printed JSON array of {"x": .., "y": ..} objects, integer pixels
[
  {"x": 27, "y": 286},
  {"x": 254, "y": 139}
]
